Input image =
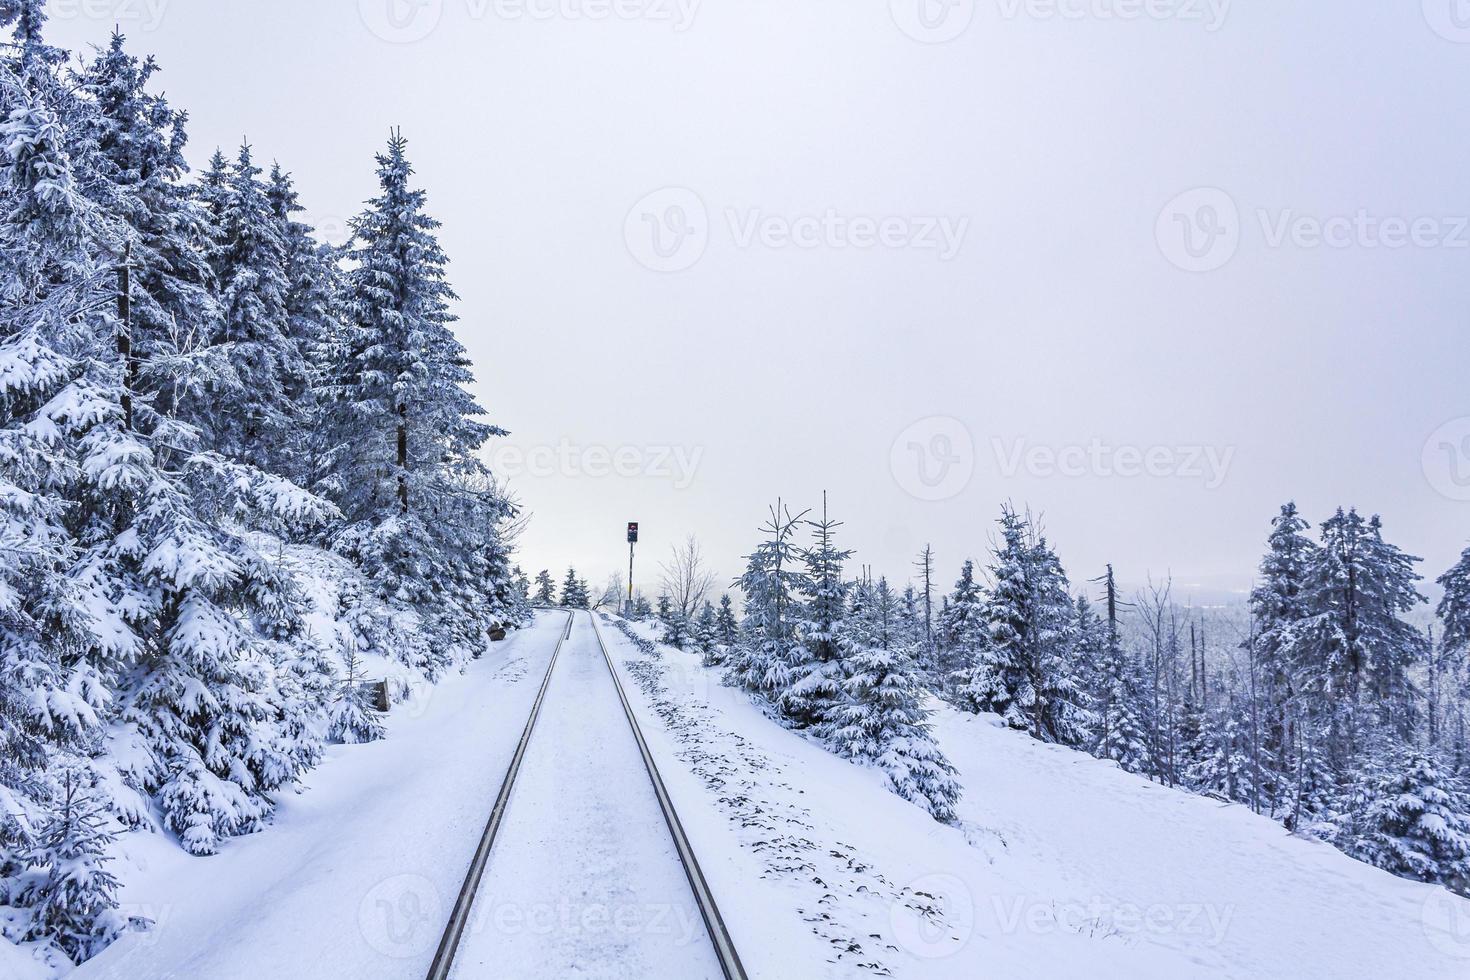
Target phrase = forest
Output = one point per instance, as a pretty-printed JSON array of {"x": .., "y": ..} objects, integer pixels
[{"x": 235, "y": 464}]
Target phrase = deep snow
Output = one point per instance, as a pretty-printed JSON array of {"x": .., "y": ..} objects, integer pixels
[
  {"x": 356, "y": 875},
  {"x": 1061, "y": 866}
]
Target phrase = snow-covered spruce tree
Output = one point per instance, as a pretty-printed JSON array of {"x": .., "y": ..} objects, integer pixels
[
  {"x": 815, "y": 679},
  {"x": 520, "y": 591},
  {"x": 1454, "y": 614},
  {"x": 706, "y": 636},
  {"x": 257, "y": 414},
  {"x": 139, "y": 168},
  {"x": 1221, "y": 762},
  {"x": 727, "y": 628},
  {"x": 772, "y": 583},
  {"x": 1415, "y": 824},
  {"x": 313, "y": 306},
  {"x": 1023, "y": 671},
  {"x": 1279, "y": 607},
  {"x": 1354, "y": 651},
  {"x": 573, "y": 592},
  {"x": 404, "y": 434},
  {"x": 352, "y": 718},
  {"x": 61, "y": 640},
  {"x": 1121, "y": 735},
  {"x": 169, "y": 591},
  {"x": 880, "y": 718},
  {"x": 68, "y": 890},
  {"x": 677, "y": 631},
  {"x": 961, "y": 634},
  {"x": 545, "y": 589}
]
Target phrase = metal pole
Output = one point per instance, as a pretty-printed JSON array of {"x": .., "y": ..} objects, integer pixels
[{"x": 629, "y": 610}]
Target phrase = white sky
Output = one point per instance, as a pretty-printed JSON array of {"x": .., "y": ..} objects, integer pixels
[{"x": 1053, "y": 142}]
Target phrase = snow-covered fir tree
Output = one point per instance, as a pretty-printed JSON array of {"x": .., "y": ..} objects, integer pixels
[
  {"x": 772, "y": 584},
  {"x": 67, "y": 888},
  {"x": 1279, "y": 609},
  {"x": 676, "y": 628},
  {"x": 1023, "y": 670},
  {"x": 573, "y": 591},
  {"x": 421, "y": 511},
  {"x": 727, "y": 627},
  {"x": 815, "y": 676},
  {"x": 706, "y": 636},
  {"x": 880, "y": 717},
  {"x": 545, "y": 589},
  {"x": 961, "y": 633},
  {"x": 352, "y": 718},
  {"x": 1415, "y": 824},
  {"x": 1354, "y": 651}
]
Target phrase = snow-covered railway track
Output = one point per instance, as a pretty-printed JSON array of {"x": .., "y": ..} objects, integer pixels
[
  {"x": 708, "y": 910},
  {"x": 459, "y": 917},
  {"x": 581, "y": 836}
]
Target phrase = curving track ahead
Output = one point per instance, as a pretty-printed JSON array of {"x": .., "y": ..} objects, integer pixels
[{"x": 591, "y": 869}]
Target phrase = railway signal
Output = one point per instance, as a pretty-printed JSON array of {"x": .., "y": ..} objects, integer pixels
[{"x": 632, "y": 540}]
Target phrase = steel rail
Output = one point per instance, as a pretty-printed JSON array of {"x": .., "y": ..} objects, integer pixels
[
  {"x": 714, "y": 924},
  {"x": 460, "y": 916}
]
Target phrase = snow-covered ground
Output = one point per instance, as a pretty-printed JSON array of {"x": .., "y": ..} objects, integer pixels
[
  {"x": 356, "y": 876},
  {"x": 1062, "y": 866}
]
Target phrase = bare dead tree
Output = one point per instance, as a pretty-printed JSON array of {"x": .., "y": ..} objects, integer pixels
[
  {"x": 686, "y": 579},
  {"x": 925, "y": 565},
  {"x": 612, "y": 595},
  {"x": 1154, "y": 604}
]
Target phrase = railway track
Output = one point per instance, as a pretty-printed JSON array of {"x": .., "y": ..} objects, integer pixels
[{"x": 454, "y": 932}]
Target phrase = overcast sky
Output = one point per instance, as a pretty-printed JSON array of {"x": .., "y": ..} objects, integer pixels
[{"x": 1149, "y": 266}]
